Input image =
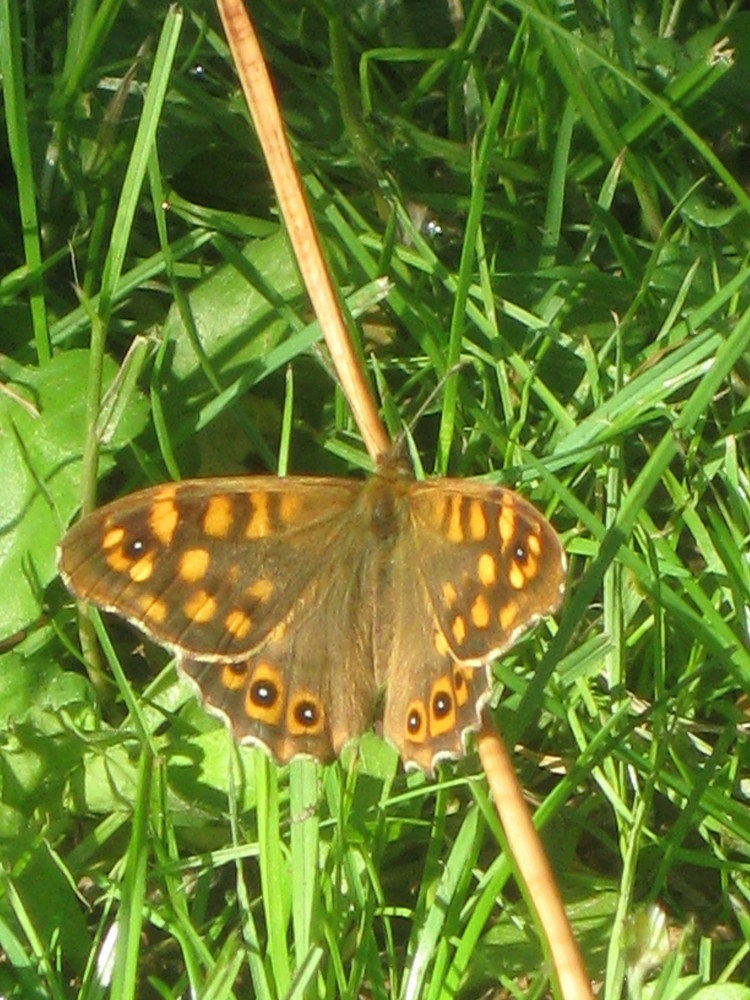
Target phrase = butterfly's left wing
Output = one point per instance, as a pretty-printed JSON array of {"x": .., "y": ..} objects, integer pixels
[
  {"x": 258, "y": 586},
  {"x": 209, "y": 567},
  {"x": 310, "y": 687}
]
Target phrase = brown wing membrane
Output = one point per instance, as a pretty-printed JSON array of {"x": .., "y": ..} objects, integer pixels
[
  {"x": 208, "y": 567},
  {"x": 432, "y": 701},
  {"x": 309, "y": 687}
]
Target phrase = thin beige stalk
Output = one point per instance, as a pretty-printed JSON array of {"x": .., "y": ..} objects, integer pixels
[
  {"x": 527, "y": 849},
  {"x": 264, "y": 109}
]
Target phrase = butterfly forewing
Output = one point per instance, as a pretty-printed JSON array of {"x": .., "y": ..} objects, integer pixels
[
  {"x": 208, "y": 568},
  {"x": 491, "y": 563}
]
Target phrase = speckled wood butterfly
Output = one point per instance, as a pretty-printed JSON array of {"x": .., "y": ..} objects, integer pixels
[{"x": 293, "y": 603}]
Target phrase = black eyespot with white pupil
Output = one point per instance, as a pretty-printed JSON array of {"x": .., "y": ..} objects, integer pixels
[
  {"x": 414, "y": 721},
  {"x": 442, "y": 705},
  {"x": 264, "y": 693},
  {"x": 134, "y": 548},
  {"x": 307, "y": 713},
  {"x": 520, "y": 553}
]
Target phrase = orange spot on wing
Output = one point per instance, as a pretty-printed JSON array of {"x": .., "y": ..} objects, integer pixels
[
  {"x": 442, "y": 706},
  {"x": 506, "y": 521},
  {"x": 455, "y": 531},
  {"x": 163, "y": 517},
  {"x": 305, "y": 715},
  {"x": 118, "y": 561},
  {"x": 238, "y": 623},
  {"x": 113, "y": 537},
  {"x": 142, "y": 568},
  {"x": 289, "y": 506},
  {"x": 193, "y": 564},
  {"x": 507, "y": 615},
  {"x": 458, "y": 628},
  {"x": 416, "y": 722},
  {"x": 260, "y": 590},
  {"x": 259, "y": 525},
  {"x": 200, "y": 607},
  {"x": 233, "y": 676},
  {"x": 217, "y": 517},
  {"x": 477, "y": 521},
  {"x": 460, "y": 685},
  {"x": 487, "y": 569},
  {"x": 264, "y": 699},
  {"x": 480, "y": 612},
  {"x": 440, "y": 643},
  {"x": 449, "y": 594},
  {"x": 153, "y": 608}
]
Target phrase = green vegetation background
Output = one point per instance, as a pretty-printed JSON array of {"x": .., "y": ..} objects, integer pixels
[{"x": 553, "y": 198}]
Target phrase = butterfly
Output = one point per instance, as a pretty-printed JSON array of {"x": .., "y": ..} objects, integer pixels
[{"x": 298, "y": 607}]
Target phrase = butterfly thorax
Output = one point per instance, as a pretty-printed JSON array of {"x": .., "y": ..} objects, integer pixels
[{"x": 387, "y": 503}]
